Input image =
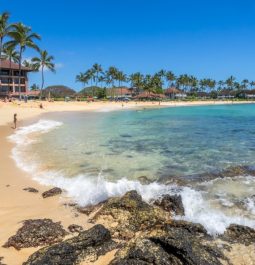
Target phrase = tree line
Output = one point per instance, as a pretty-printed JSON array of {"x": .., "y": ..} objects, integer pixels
[
  {"x": 156, "y": 83},
  {"x": 15, "y": 39}
]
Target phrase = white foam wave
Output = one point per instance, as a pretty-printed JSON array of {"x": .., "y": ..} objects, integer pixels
[
  {"x": 250, "y": 204},
  {"x": 85, "y": 189},
  {"x": 22, "y": 138},
  {"x": 199, "y": 211}
]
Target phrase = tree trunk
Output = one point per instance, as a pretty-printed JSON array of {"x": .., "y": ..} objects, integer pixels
[
  {"x": 120, "y": 88},
  {"x": 1, "y": 45},
  {"x": 42, "y": 82},
  {"x": 20, "y": 60},
  {"x": 10, "y": 63}
]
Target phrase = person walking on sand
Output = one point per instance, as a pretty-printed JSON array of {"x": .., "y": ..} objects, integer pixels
[{"x": 15, "y": 120}]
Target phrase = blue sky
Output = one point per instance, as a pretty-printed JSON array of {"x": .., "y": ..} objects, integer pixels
[{"x": 210, "y": 38}]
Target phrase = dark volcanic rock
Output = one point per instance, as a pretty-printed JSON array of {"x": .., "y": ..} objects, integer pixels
[
  {"x": 130, "y": 214},
  {"x": 29, "y": 189},
  {"x": 192, "y": 228},
  {"x": 1, "y": 258},
  {"x": 171, "y": 204},
  {"x": 52, "y": 192},
  {"x": 177, "y": 245},
  {"x": 38, "y": 232},
  {"x": 239, "y": 234},
  {"x": 88, "y": 246},
  {"x": 89, "y": 209},
  {"x": 75, "y": 228}
]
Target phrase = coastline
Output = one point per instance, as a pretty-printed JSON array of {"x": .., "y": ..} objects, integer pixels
[
  {"x": 18, "y": 205},
  {"x": 31, "y": 109}
]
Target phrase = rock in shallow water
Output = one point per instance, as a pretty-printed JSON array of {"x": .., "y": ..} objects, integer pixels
[
  {"x": 51, "y": 192},
  {"x": 88, "y": 246},
  {"x": 30, "y": 189},
  {"x": 171, "y": 203},
  {"x": 1, "y": 258},
  {"x": 75, "y": 228},
  {"x": 38, "y": 232}
]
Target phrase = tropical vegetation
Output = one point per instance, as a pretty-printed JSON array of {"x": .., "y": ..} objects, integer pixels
[
  {"x": 15, "y": 38},
  {"x": 112, "y": 77}
]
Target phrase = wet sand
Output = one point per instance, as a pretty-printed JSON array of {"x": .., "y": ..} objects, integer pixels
[{"x": 18, "y": 205}]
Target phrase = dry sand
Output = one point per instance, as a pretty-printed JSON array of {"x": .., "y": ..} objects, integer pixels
[{"x": 16, "y": 204}]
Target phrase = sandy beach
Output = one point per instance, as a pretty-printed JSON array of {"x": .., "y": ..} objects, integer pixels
[
  {"x": 18, "y": 205},
  {"x": 31, "y": 109}
]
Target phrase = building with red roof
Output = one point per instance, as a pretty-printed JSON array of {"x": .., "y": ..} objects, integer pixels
[{"x": 9, "y": 79}]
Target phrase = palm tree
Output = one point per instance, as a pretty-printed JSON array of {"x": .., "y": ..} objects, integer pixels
[
  {"x": 81, "y": 77},
  {"x": 230, "y": 82},
  {"x": 23, "y": 37},
  {"x": 244, "y": 84},
  {"x": 121, "y": 77},
  {"x": 111, "y": 75},
  {"x": 30, "y": 65},
  {"x": 5, "y": 29},
  {"x": 137, "y": 81},
  {"x": 12, "y": 56},
  {"x": 97, "y": 70},
  {"x": 45, "y": 61},
  {"x": 221, "y": 84},
  {"x": 170, "y": 77},
  {"x": 252, "y": 84}
]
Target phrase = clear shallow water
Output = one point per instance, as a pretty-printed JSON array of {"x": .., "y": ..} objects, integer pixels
[{"x": 97, "y": 155}]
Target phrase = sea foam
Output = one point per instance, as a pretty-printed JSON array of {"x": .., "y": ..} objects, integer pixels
[{"x": 86, "y": 189}]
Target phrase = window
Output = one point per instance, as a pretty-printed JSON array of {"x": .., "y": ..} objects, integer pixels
[
  {"x": 4, "y": 72},
  {"x": 4, "y": 89},
  {"x": 22, "y": 81},
  {"x": 16, "y": 73},
  {"x": 22, "y": 89},
  {"x": 5, "y": 80}
]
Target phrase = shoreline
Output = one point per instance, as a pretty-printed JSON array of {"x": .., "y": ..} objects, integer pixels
[
  {"x": 31, "y": 109},
  {"x": 18, "y": 205}
]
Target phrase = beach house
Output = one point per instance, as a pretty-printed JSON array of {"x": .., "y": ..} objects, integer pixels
[{"x": 175, "y": 93}]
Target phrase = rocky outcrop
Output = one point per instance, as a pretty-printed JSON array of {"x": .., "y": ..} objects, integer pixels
[
  {"x": 177, "y": 244},
  {"x": 171, "y": 203},
  {"x": 129, "y": 214},
  {"x": 38, "y": 232},
  {"x": 239, "y": 234},
  {"x": 75, "y": 228},
  {"x": 87, "y": 246},
  {"x": 51, "y": 192},
  {"x": 30, "y": 189}
]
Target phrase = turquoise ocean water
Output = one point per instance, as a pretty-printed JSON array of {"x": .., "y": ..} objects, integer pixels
[{"x": 101, "y": 154}]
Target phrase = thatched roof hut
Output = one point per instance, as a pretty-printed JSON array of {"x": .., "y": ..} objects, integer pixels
[{"x": 147, "y": 95}]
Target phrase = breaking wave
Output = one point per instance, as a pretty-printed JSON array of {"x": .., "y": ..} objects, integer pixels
[{"x": 86, "y": 189}]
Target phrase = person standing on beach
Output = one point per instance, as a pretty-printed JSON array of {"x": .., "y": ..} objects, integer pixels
[{"x": 15, "y": 120}]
